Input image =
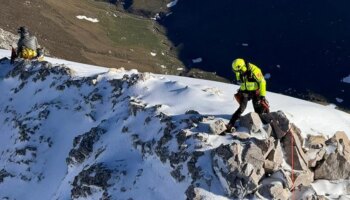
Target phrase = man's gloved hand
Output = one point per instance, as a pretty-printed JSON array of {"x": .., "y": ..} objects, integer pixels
[
  {"x": 238, "y": 96},
  {"x": 265, "y": 104}
]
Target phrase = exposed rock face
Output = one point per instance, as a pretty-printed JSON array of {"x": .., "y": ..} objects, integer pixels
[
  {"x": 217, "y": 127},
  {"x": 4, "y": 174},
  {"x": 304, "y": 178},
  {"x": 335, "y": 165},
  {"x": 251, "y": 121},
  {"x": 292, "y": 145},
  {"x": 83, "y": 145},
  {"x": 279, "y": 123},
  {"x": 256, "y": 128},
  {"x": 239, "y": 168},
  {"x": 315, "y": 142},
  {"x": 315, "y": 156},
  {"x": 7, "y": 39},
  {"x": 274, "y": 190},
  {"x": 92, "y": 180},
  {"x": 192, "y": 193},
  {"x": 136, "y": 106},
  {"x": 274, "y": 159}
]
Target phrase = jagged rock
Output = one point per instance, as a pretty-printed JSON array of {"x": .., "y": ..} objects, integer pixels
[
  {"x": 23, "y": 151},
  {"x": 342, "y": 143},
  {"x": 239, "y": 168},
  {"x": 315, "y": 155},
  {"x": 252, "y": 122},
  {"x": 96, "y": 97},
  {"x": 88, "y": 180},
  {"x": 145, "y": 76},
  {"x": 7, "y": 39},
  {"x": 268, "y": 129},
  {"x": 281, "y": 176},
  {"x": 60, "y": 87},
  {"x": 305, "y": 193},
  {"x": 191, "y": 165},
  {"x": 266, "y": 145},
  {"x": 193, "y": 119},
  {"x": 253, "y": 155},
  {"x": 192, "y": 112},
  {"x": 315, "y": 141},
  {"x": 176, "y": 158},
  {"x": 335, "y": 165},
  {"x": 23, "y": 130},
  {"x": 163, "y": 117},
  {"x": 182, "y": 136},
  {"x": 292, "y": 145},
  {"x": 44, "y": 114},
  {"x": 255, "y": 127},
  {"x": 135, "y": 106},
  {"x": 274, "y": 190},
  {"x": 192, "y": 193},
  {"x": 131, "y": 79},
  {"x": 275, "y": 158},
  {"x": 77, "y": 83},
  {"x": 217, "y": 127},
  {"x": 304, "y": 178},
  {"x": 117, "y": 91},
  {"x": 176, "y": 174},
  {"x": 4, "y": 174},
  {"x": 63, "y": 70},
  {"x": 146, "y": 148},
  {"x": 278, "y": 122},
  {"x": 83, "y": 145},
  {"x": 161, "y": 149},
  {"x": 16, "y": 70}
]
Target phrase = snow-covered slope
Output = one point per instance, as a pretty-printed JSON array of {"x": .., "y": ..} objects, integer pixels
[{"x": 76, "y": 131}]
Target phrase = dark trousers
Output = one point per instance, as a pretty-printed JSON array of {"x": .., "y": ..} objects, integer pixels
[{"x": 246, "y": 96}]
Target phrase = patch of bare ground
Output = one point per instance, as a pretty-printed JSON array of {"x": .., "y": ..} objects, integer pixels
[{"x": 57, "y": 28}]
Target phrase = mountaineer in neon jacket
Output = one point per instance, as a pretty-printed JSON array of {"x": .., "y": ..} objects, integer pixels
[
  {"x": 253, "y": 87},
  {"x": 27, "y": 45}
]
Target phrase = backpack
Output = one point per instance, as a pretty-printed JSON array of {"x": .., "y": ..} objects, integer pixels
[{"x": 27, "y": 53}]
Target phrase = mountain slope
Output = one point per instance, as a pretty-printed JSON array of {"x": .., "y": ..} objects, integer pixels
[
  {"x": 86, "y": 132},
  {"x": 112, "y": 39}
]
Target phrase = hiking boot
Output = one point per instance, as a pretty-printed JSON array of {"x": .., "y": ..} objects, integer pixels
[{"x": 230, "y": 128}]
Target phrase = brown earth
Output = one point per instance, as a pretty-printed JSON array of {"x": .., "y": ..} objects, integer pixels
[{"x": 57, "y": 28}]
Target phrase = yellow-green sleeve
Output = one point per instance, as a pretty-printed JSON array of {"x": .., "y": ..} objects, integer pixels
[
  {"x": 261, "y": 80},
  {"x": 237, "y": 76}
]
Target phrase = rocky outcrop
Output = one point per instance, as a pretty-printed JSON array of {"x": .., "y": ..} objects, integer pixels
[
  {"x": 255, "y": 126},
  {"x": 315, "y": 141},
  {"x": 239, "y": 168},
  {"x": 217, "y": 127},
  {"x": 274, "y": 159},
  {"x": 294, "y": 154},
  {"x": 336, "y": 163},
  {"x": 4, "y": 174},
  {"x": 252, "y": 122},
  {"x": 278, "y": 122},
  {"x": 7, "y": 39},
  {"x": 92, "y": 180},
  {"x": 83, "y": 145}
]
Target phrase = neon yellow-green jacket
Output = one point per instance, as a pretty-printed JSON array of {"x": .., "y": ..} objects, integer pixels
[{"x": 253, "y": 80}]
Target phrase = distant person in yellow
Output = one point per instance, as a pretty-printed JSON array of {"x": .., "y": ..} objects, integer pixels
[
  {"x": 252, "y": 87},
  {"x": 27, "y": 46}
]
